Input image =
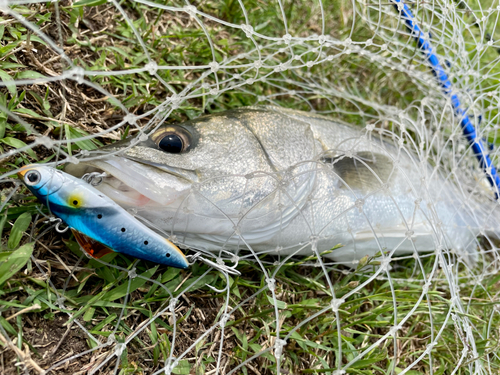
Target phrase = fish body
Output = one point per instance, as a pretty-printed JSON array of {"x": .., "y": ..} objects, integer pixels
[
  {"x": 94, "y": 217},
  {"x": 271, "y": 180}
]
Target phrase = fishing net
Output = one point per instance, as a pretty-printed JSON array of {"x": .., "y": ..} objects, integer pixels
[{"x": 79, "y": 75}]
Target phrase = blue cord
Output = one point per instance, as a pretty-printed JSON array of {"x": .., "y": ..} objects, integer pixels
[{"x": 467, "y": 127}]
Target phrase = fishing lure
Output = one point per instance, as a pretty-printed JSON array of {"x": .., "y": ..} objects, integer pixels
[{"x": 99, "y": 224}]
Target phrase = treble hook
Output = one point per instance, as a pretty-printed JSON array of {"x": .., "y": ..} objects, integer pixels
[
  {"x": 58, "y": 229},
  {"x": 90, "y": 178},
  {"x": 59, "y": 221}
]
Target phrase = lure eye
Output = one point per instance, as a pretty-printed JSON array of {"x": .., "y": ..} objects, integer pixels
[
  {"x": 32, "y": 178},
  {"x": 76, "y": 201},
  {"x": 173, "y": 139}
]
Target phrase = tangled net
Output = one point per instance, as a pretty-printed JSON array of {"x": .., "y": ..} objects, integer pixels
[{"x": 79, "y": 75}]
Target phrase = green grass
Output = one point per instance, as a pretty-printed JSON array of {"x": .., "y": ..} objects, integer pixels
[{"x": 105, "y": 300}]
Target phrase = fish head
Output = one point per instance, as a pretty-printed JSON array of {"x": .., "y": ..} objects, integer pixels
[{"x": 213, "y": 169}]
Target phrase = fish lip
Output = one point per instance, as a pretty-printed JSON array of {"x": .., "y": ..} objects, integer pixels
[
  {"x": 139, "y": 176},
  {"x": 186, "y": 174}
]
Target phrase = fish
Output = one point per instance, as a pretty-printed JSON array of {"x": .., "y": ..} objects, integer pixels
[
  {"x": 99, "y": 224},
  {"x": 268, "y": 180}
]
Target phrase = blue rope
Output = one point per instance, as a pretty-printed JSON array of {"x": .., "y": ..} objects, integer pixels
[{"x": 467, "y": 127}]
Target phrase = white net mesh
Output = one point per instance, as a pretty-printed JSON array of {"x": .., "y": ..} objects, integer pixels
[{"x": 412, "y": 285}]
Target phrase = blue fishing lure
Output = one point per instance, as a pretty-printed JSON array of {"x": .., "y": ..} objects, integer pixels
[{"x": 98, "y": 223}]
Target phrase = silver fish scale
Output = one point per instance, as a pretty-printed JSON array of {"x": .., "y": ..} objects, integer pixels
[{"x": 275, "y": 180}]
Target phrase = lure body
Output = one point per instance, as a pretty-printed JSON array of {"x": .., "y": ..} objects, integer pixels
[{"x": 93, "y": 216}]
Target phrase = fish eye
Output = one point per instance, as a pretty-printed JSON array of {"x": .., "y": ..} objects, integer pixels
[
  {"x": 173, "y": 139},
  {"x": 32, "y": 178},
  {"x": 172, "y": 143}
]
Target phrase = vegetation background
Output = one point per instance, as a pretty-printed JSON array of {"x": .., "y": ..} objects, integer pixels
[{"x": 49, "y": 291}]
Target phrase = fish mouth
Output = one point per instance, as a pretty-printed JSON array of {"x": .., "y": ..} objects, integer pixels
[{"x": 132, "y": 183}]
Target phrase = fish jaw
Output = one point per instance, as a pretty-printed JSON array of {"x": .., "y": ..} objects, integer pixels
[{"x": 134, "y": 184}]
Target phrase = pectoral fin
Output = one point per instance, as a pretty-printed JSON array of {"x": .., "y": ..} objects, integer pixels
[
  {"x": 92, "y": 247},
  {"x": 365, "y": 171}
]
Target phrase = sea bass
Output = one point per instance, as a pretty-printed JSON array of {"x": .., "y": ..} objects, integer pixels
[{"x": 270, "y": 180}]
